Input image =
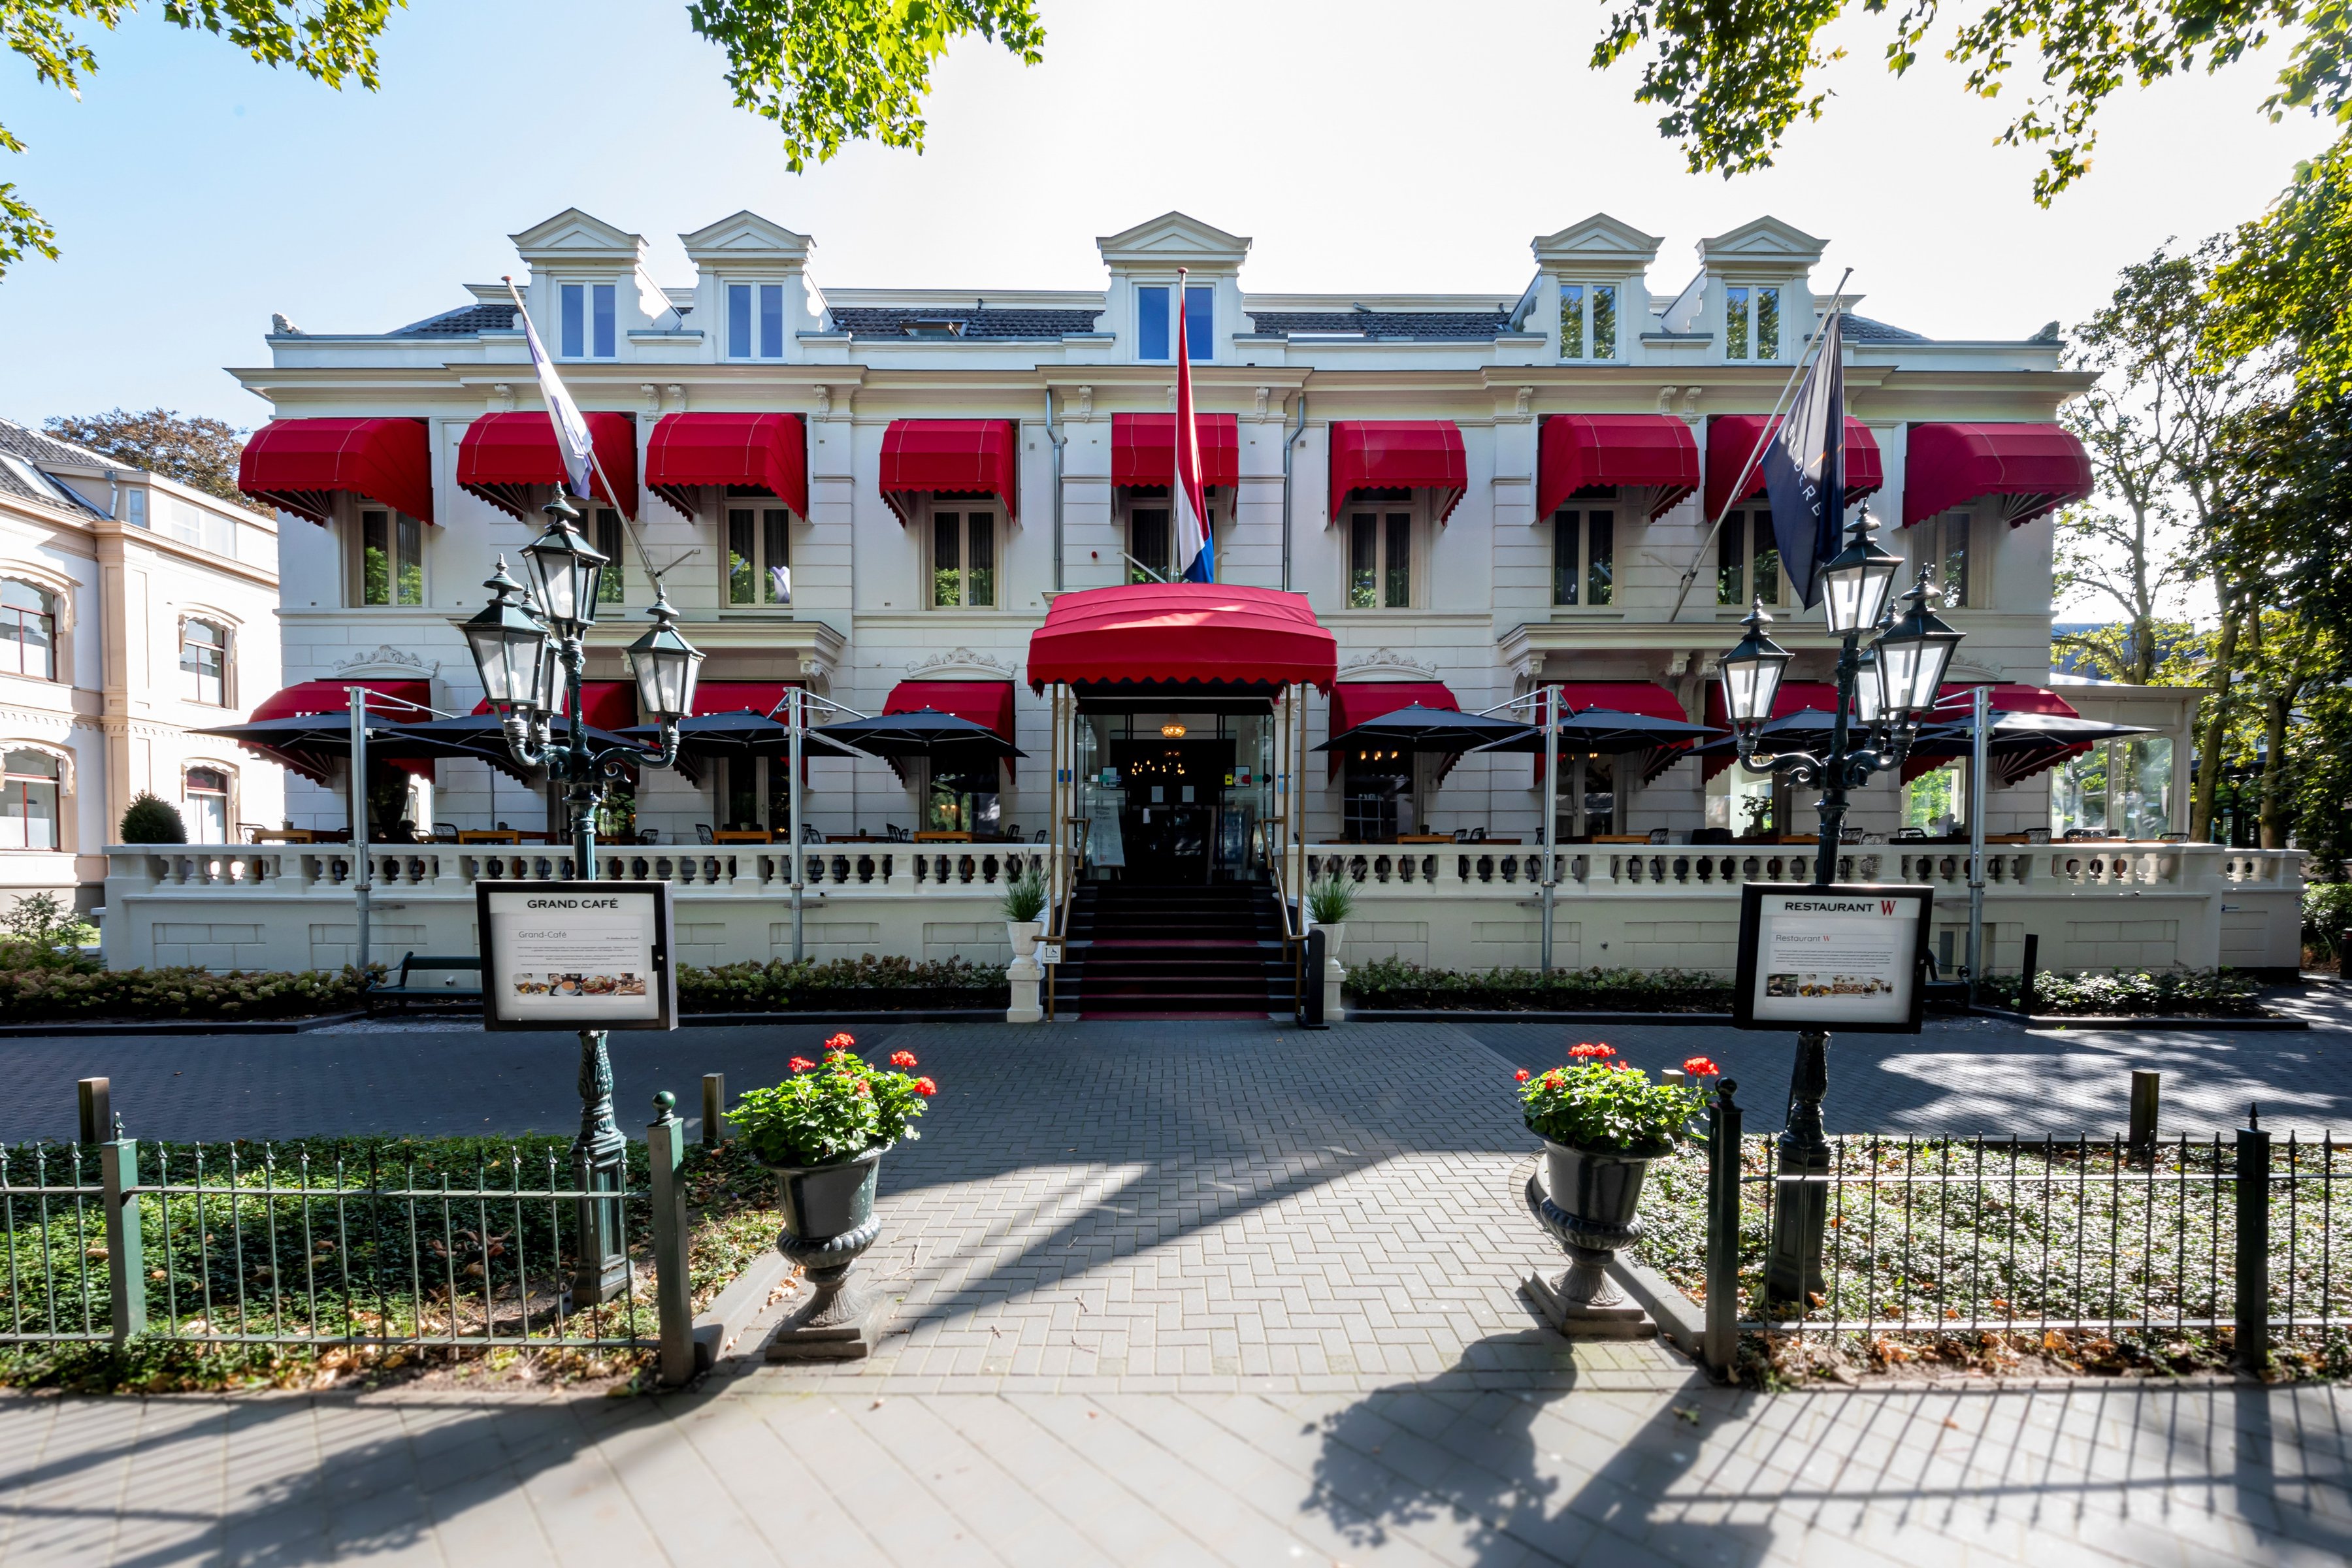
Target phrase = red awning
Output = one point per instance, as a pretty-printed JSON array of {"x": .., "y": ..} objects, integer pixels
[
  {"x": 1653, "y": 453},
  {"x": 1398, "y": 454},
  {"x": 399, "y": 702},
  {"x": 1646, "y": 697},
  {"x": 299, "y": 465},
  {"x": 1205, "y": 632},
  {"x": 504, "y": 456},
  {"x": 1358, "y": 702},
  {"x": 741, "y": 696},
  {"x": 765, "y": 451},
  {"x": 1731, "y": 440},
  {"x": 2039, "y": 468},
  {"x": 951, "y": 457},
  {"x": 984, "y": 703},
  {"x": 609, "y": 704},
  {"x": 1143, "y": 449}
]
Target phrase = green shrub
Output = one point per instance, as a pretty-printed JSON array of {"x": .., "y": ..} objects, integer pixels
[
  {"x": 2160, "y": 993},
  {"x": 777, "y": 986},
  {"x": 33, "y": 996},
  {"x": 1330, "y": 900},
  {"x": 1395, "y": 983},
  {"x": 152, "y": 820},
  {"x": 39, "y": 932},
  {"x": 2327, "y": 916},
  {"x": 1024, "y": 896}
]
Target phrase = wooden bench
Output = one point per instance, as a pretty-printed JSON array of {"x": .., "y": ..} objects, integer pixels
[{"x": 404, "y": 991}]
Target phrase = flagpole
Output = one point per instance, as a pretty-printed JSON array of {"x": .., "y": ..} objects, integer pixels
[{"x": 1763, "y": 439}]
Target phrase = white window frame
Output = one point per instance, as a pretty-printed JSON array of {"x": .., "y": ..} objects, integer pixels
[
  {"x": 227, "y": 698},
  {"x": 759, "y": 507},
  {"x": 1583, "y": 348},
  {"x": 1123, "y": 517},
  {"x": 1416, "y": 508},
  {"x": 227, "y": 798},
  {"x": 754, "y": 350},
  {"x": 56, "y": 618},
  {"x": 1582, "y": 513},
  {"x": 587, "y": 287},
  {"x": 62, "y": 783},
  {"x": 1931, "y": 542},
  {"x": 1748, "y": 350},
  {"x": 1746, "y": 515},
  {"x": 356, "y": 577},
  {"x": 937, "y": 506}
]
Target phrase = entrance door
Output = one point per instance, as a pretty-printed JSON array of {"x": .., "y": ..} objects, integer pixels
[{"x": 1168, "y": 817}]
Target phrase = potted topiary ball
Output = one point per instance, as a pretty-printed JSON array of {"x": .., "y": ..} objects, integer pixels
[
  {"x": 1602, "y": 1123},
  {"x": 152, "y": 820},
  {"x": 824, "y": 1132}
]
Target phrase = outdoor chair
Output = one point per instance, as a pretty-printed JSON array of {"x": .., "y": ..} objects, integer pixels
[
  {"x": 1041, "y": 835},
  {"x": 648, "y": 835},
  {"x": 702, "y": 834},
  {"x": 809, "y": 835},
  {"x": 897, "y": 835},
  {"x": 444, "y": 833}
]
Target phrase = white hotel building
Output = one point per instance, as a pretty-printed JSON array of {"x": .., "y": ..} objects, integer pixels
[{"x": 1476, "y": 494}]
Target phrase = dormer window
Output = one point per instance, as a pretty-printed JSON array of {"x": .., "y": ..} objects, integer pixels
[
  {"x": 1588, "y": 321},
  {"x": 589, "y": 322},
  {"x": 755, "y": 314},
  {"x": 1752, "y": 324},
  {"x": 1155, "y": 333},
  {"x": 933, "y": 327}
]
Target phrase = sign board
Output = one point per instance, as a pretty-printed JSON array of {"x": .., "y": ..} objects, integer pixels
[
  {"x": 1049, "y": 953},
  {"x": 577, "y": 955},
  {"x": 1846, "y": 956}
]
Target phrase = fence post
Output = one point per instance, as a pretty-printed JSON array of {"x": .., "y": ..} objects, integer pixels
[
  {"x": 2146, "y": 1088},
  {"x": 2343, "y": 955},
  {"x": 2253, "y": 1174},
  {"x": 95, "y": 1103},
  {"x": 2025, "y": 984},
  {"x": 673, "y": 1296},
  {"x": 126, "y": 1261},
  {"x": 1723, "y": 1232},
  {"x": 714, "y": 1110}
]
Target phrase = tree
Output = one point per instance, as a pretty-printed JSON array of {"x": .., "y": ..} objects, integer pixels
[
  {"x": 826, "y": 72},
  {"x": 198, "y": 451},
  {"x": 1734, "y": 75}
]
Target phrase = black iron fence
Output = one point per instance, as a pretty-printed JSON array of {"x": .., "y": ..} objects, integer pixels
[{"x": 2015, "y": 1236}]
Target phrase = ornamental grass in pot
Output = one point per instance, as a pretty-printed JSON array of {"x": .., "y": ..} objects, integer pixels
[
  {"x": 1603, "y": 1121},
  {"x": 824, "y": 1132}
]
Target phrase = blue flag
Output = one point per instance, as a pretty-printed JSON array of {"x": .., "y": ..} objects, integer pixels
[{"x": 1804, "y": 469}]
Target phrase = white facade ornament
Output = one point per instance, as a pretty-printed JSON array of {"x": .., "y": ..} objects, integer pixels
[
  {"x": 967, "y": 662},
  {"x": 1690, "y": 404},
  {"x": 815, "y": 668},
  {"x": 282, "y": 328},
  {"x": 1086, "y": 403},
  {"x": 652, "y": 391},
  {"x": 501, "y": 398},
  {"x": 1524, "y": 405},
  {"x": 383, "y": 656},
  {"x": 824, "y": 400},
  {"x": 1385, "y": 662},
  {"x": 1265, "y": 395},
  {"x": 1667, "y": 398},
  {"x": 678, "y": 397}
]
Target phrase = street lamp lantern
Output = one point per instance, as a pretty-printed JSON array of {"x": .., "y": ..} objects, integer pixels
[
  {"x": 565, "y": 570},
  {"x": 511, "y": 648},
  {"x": 1870, "y": 690},
  {"x": 1856, "y": 583},
  {"x": 666, "y": 665},
  {"x": 1913, "y": 655},
  {"x": 1751, "y": 673}
]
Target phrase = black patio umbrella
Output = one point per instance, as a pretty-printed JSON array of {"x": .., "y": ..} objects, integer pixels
[
  {"x": 2019, "y": 744},
  {"x": 476, "y": 737},
  {"x": 1802, "y": 731},
  {"x": 922, "y": 733},
  {"x": 747, "y": 733},
  {"x": 1611, "y": 732},
  {"x": 307, "y": 742},
  {"x": 1419, "y": 729}
]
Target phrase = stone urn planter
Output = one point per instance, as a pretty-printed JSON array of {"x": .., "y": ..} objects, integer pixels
[
  {"x": 1589, "y": 1206},
  {"x": 1025, "y": 975},
  {"x": 829, "y": 1223},
  {"x": 1024, "y": 936},
  {"x": 1335, "y": 973}
]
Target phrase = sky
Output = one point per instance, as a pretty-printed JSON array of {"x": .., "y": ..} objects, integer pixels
[{"x": 1376, "y": 147}]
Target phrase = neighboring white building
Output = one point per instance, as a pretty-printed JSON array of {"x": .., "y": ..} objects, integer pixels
[
  {"x": 1476, "y": 493},
  {"x": 132, "y": 611}
]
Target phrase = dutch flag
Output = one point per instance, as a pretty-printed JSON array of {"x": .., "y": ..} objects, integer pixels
[
  {"x": 1804, "y": 468},
  {"x": 1195, "y": 551}
]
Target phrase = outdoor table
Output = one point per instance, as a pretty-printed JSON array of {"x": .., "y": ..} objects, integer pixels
[
  {"x": 282, "y": 835},
  {"x": 943, "y": 837},
  {"x": 1425, "y": 838},
  {"x": 740, "y": 836},
  {"x": 489, "y": 835}
]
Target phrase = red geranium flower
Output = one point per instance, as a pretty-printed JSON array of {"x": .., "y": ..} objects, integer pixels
[
  {"x": 1521, "y": 1075},
  {"x": 840, "y": 1042},
  {"x": 864, "y": 1087},
  {"x": 902, "y": 1058},
  {"x": 1701, "y": 1066},
  {"x": 799, "y": 1063},
  {"x": 1591, "y": 1052},
  {"x": 926, "y": 1088}
]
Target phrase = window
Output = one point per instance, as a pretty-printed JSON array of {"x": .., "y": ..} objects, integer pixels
[
  {"x": 392, "y": 558},
  {"x": 963, "y": 560},
  {"x": 756, "y": 793},
  {"x": 1149, "y": 544},
  {"x": 1747, "y": 806},
  {"x": 2118, "y": 786},
  {"x": 1378, "y": 803},
  {"x": 1939, "y": 801},
  {"x": 614, "y": 545},
  {"x": 1748, "y": 560},
  {"x": 1154, "y": 334},
  {"x": 1592, "y": 305},
  {"x": 1379, "y": 560},
  {"x": 28, "y": 800},
  {"x": 755, "y": 313},
  {"x": 759, "y": 555},
  {"x": 1587, "y": 798},
  {"x": 959, "y": 802},
  {"x": 1583, "y": 556},
  {"x": 1752, "y": 324},
  {"x": 28, "y": 630},
  {"x": 204, "y": 663},
  {"x": 207, "y": 793},
  {"x": 588, "y": 320},
  {"x": 1944, "y": 545}
]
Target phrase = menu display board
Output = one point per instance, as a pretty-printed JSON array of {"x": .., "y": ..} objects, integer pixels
[
  {"x": 1845, "y": 956},
  {"x": 577, "y": 955}
]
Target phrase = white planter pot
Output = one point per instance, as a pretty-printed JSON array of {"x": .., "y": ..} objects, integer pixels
[
  {"x": 1024, "y": 973},
  {"x": 1335, "y": 973},
  {"x": 1024, "y": 936}
]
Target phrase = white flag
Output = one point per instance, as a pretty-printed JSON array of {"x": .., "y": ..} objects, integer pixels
[{"x": 571, "y": 427}]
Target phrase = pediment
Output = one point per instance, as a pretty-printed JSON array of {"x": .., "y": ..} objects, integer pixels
[
  {"x": 1384, "y": 664},
  {"x": 385, "y": 659},
  {"x": 575, "y": 235},
  {"x": 1598, "y": 241},
  {"x": 963, "y": 663},
  {"x": 1172, "y": 239},
  {"x": 1763, "y": 239},
  {"x": 747, "y": 238}
]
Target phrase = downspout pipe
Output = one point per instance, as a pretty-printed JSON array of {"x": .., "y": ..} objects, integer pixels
[
  {"x": 1289, "y": 452},
  {"x": 1056, "y": 439}
]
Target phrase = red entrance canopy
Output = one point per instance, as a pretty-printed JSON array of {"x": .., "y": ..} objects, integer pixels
[
  {"x": 1358, "y": 702},
  {"x": 2039, "y": 468},
  {"x": 1204, "y": 632},
  {"x": 764, "y": 451},
  {"x": 1731, "y": 440},
  {"x": 1650, "y": 452},
  {"x": 1143, "y": 449},
  {"x": 1398, "y": 454},
  {"x": 949, "y": 456},
  {"x": 403, "y": 701},
  {"x": 504, "y": 456},
  {"x": 608, "y": 704},
  {"x": 988, "y": 703},
  {"x": 299, "y": 465}
]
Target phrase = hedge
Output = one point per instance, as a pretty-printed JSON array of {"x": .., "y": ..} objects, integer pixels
[
  {"x": 1395, "y": 983},
  {"x": 778, "y": 986},
  {"x": 2144, "y": 994}
]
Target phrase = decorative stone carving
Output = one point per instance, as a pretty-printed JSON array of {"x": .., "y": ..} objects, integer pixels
[
  {"x": 1265, "y": 395},
  {"x": 824, "y": 400},
  {"x": 1386, "y": 662},
  {"x": 384, "y": 657},
  {"x": 1086, "y": 403},
  {"x": 966, "y": 662},
  {"x": 1690, "y": 404},
  {"x": 1666, "y": 399},
  {"x": 501, "y": 398},
  {"x": 678, "y": 397},
  {"x": 1525, "y": 404},
  {"x": 652, "y": 392}
]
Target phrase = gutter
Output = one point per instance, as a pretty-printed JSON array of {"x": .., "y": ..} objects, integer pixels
[
  {"x": 1056, "y": 440},
  {"x": 1289, "y": 451}
]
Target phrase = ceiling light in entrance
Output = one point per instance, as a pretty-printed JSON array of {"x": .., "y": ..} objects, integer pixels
[{"x": 1171, "y": 732}]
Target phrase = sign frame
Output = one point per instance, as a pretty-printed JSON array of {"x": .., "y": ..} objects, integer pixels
[
  {"x": 1748, "y": 978},
  {"x": 661, "y": 980}
]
